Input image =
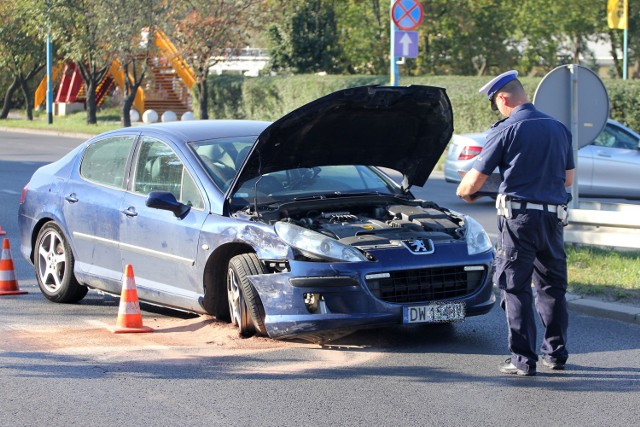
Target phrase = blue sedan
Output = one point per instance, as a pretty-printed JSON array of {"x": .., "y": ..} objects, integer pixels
[{"x": 285, "y": 229}]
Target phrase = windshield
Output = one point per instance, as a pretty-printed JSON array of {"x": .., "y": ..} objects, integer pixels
[
  {"x": 221, "y": 158},
  {"x": 317, "y": 182}
]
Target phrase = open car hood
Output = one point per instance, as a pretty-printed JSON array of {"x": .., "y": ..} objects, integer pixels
[{"x": 403, "y": 128}]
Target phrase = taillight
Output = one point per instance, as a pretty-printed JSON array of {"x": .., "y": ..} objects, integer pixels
[
  {"x": 24, "y": 193},
  {"x": 469, "y": 152}
]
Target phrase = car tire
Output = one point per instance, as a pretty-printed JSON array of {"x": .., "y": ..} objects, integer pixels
[
  {"x": 53, "y": 262},
  {"x": 245, "y": 307}
]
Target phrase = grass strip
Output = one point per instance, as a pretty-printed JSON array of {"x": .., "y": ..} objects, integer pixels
[{"x": 605, "y": 273}]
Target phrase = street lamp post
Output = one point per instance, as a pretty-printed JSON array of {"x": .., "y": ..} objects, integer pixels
[
  {"x": 49, "y": 83},
  {"x": 49, "y": 73}
]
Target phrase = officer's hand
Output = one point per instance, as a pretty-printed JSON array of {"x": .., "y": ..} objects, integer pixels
[{"x": 470, "y": 198}]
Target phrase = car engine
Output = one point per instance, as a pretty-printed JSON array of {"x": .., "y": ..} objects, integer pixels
[{"x": 362, "y": 222}]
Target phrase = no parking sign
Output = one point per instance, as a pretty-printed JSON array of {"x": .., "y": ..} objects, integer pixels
[{"x": 407, "y": 14}]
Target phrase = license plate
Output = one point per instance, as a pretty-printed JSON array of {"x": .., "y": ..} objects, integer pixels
[{"x": 436, "y": 312}]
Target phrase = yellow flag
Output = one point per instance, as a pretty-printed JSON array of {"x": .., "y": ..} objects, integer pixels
[{"x": 617, "y": 14}]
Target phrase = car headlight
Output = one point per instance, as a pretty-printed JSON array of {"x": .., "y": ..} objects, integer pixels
[
  {"x": 478, "y": 240},
  {"x": 315, "y": 245}
]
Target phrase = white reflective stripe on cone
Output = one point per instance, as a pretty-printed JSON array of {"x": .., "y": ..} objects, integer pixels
[
  {"x": 129, "y": 283},
  {"x": 7, "y": 275},
  {"x": 129, "y": 308}
]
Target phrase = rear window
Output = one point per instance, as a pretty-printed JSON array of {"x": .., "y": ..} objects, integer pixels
[{"x": 104, "y": 161}]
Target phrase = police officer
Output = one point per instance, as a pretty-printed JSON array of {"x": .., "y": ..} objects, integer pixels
[{"x": 534, "y": 155}]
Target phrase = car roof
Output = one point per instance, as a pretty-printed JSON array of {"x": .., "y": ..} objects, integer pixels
[{"x": 200, "y": 130}]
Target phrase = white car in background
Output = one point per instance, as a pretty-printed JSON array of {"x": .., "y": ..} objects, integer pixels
[{"x": 608, "y": 167}]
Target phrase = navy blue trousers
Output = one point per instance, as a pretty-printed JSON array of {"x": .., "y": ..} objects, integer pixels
[{"x": 531, "y": 248}]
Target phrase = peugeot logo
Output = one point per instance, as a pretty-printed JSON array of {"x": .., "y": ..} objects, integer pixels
[{"x": 420, "y": 247}]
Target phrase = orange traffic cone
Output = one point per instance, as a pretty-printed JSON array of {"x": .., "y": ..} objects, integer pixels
[
  {"x": 8, "y": 281},
  {"x": 2, "y": 232},
  {"x": 129, "y": 316}
]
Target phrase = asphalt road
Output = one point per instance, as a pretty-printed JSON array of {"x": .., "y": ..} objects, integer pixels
[{"x": 59, "y": 365}]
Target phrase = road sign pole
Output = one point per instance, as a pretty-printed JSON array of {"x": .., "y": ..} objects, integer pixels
[
  {"x": 573, "y": 70},
  {"x": 393, "y": 65}
]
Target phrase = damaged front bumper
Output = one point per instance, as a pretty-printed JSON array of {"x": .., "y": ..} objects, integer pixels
[{"x": 318, "y": 298}]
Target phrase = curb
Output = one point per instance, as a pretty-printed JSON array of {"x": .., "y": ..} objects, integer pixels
[
  {"x": 48, "y": 132},
  {"x": 609, "y": 310}
]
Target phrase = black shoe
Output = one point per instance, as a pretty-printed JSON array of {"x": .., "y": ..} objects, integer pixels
[
  {"x": 556, "y": 366},
  {"x": 510, "y": 368}
]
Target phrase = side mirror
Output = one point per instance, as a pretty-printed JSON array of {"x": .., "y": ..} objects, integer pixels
[{"x": 165, "y": 200}]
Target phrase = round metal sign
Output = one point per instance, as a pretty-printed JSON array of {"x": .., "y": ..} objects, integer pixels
[
  {"x": 575, "y": 90},
  {"x": 407, "y": 14}
]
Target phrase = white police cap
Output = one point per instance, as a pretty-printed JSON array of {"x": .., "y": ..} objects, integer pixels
[{"x": 498, "y": 83}]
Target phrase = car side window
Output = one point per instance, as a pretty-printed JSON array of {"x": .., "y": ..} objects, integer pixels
[
  {"x": 158, "y": 168},
  {"x": 613, "y": 137},
  {"x": 104, "y": 161}
]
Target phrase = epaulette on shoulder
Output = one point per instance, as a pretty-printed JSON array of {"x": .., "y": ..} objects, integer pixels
[{"x": 498, "y": 122}]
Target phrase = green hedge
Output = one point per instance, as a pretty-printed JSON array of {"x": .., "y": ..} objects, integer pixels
[{"x": 268, "y": 98}]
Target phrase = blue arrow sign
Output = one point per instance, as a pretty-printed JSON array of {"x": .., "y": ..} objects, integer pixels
[{"x": 406, "y": 44}]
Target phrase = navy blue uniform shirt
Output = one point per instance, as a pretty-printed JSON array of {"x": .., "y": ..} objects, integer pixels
[{"x": 532, "y": 151}]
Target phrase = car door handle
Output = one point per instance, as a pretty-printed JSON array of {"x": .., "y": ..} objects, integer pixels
[
  {"x": 130, "y": 211},
  {"x": 602, "y": 154},
  {"x": 71, "y": 198}
]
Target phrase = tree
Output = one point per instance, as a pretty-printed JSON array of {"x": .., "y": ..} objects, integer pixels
[
  {"x": 585, "y": 20},
  {"x": 467, "y": 37},
  {"x": 306, "y": 39},
  {"x": 616, "y": 43},
  {"x": 82, "y": 31},
  {"x": 205, "y": 32},
  {"x": 363, "y": 29},
  {"x": 552, "y": 29},
  {"x": 131, "y": 20},
  {"x": 21, "y": 53},
  {"x": 538, "y": 30}
]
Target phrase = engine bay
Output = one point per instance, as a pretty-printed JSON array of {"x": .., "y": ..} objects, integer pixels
[{"x": 361, "y": 221}]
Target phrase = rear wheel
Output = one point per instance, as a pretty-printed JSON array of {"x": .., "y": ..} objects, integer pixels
[
  {"x": 53, "y": 263},
  {"x": 245, "y": 308}
]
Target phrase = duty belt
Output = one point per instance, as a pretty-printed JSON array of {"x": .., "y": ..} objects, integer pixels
[
  {"x": 527, "y": 205},
  {"x": 505, "y": 208}
]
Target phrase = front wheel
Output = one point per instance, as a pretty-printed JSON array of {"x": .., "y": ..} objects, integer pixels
[
  {"x": 245, "y": 307},
  {"x": 53, "y": 263}
]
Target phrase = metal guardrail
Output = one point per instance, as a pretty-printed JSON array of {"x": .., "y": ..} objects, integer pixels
[{"x": 614, "y": 225}]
